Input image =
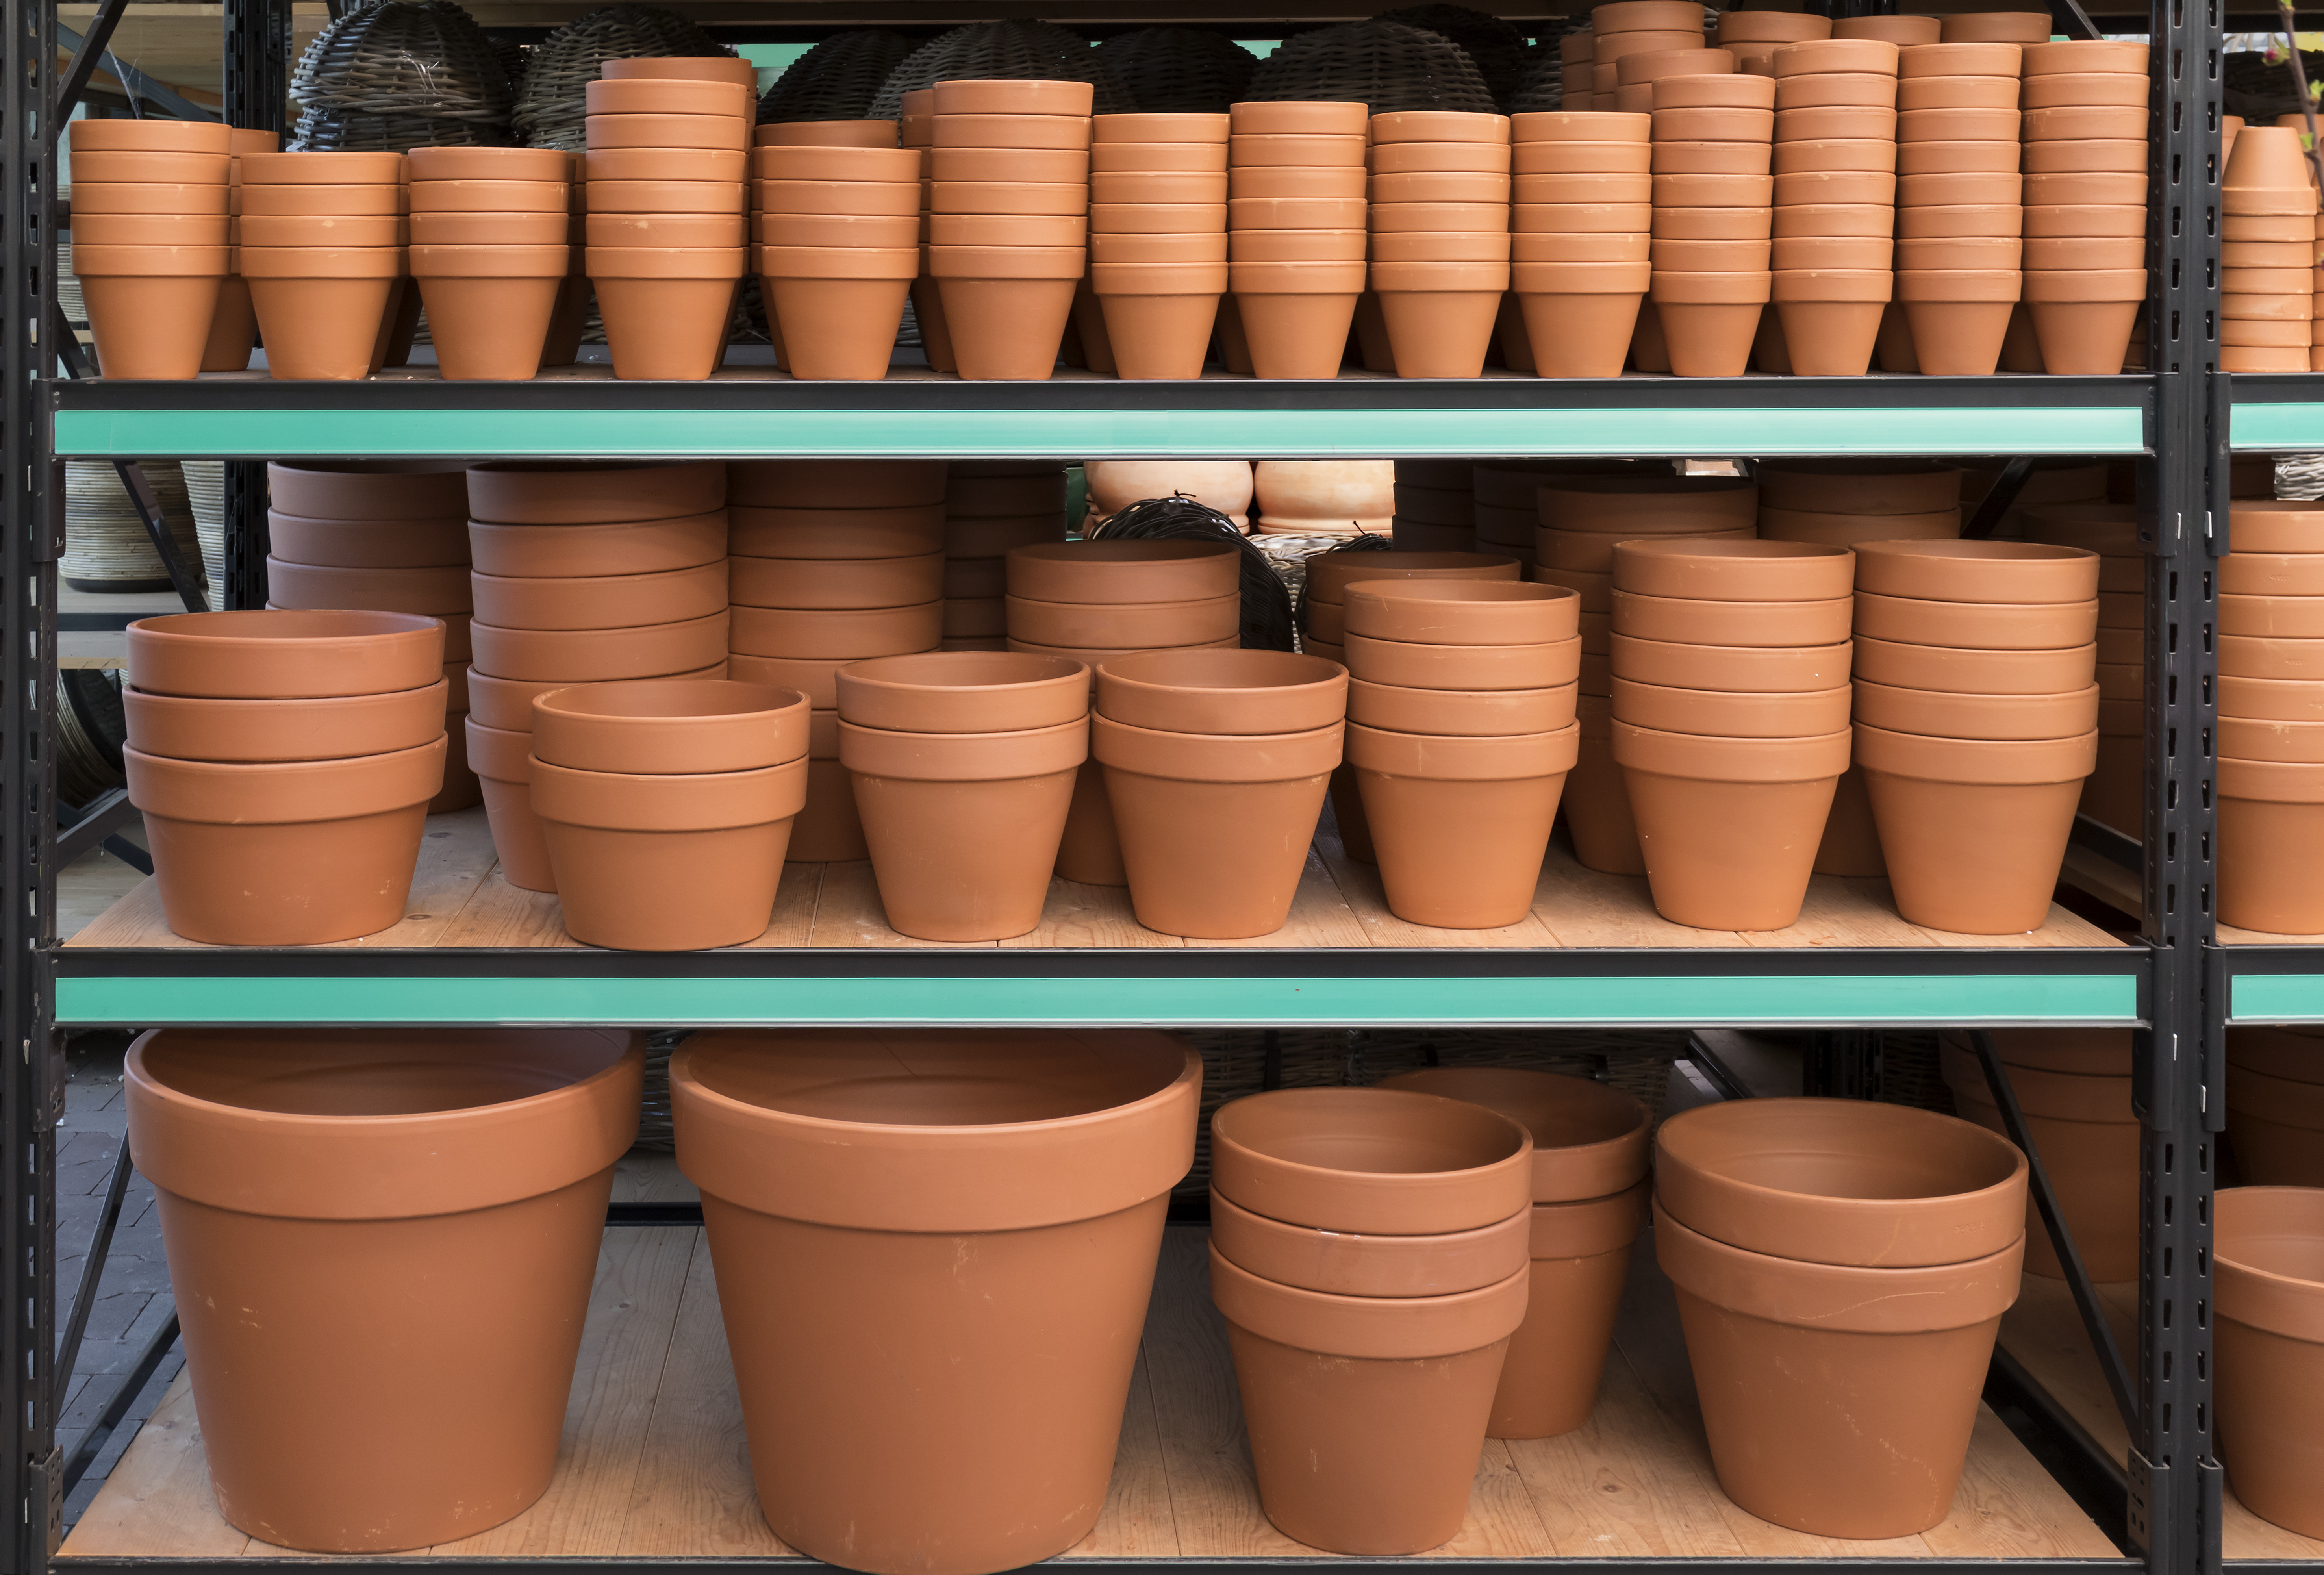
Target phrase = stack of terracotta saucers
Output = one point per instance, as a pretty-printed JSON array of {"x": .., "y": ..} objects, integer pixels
[{"x": 1580, "y": 247}]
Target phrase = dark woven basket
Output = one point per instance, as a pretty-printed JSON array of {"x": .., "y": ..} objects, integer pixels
[
  {"x": 1543, "y": 85},
  {"x": 1179, "y": 71},
  {"x": 838, "y": 80},
  {"x": 1384, "y": 64},
  {"x": 1022, "y": 50},
  {"x": 550, "y": 110},
  {"x": 398, "y": 75},
  {"x": 1499, "y": 50}
]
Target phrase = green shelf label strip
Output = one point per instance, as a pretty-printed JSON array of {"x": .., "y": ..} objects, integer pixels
[
  {"x": 2271, "y": 428},
  {"x": 2275, "y": 998}
]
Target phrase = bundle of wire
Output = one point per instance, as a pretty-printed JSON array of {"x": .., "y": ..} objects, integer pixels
[{"x": 1265, "y": 603}]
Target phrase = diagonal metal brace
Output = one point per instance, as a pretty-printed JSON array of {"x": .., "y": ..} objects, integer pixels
[
  {"x": 94, "y": 44},
  {"x": 1999, "y": 501}
]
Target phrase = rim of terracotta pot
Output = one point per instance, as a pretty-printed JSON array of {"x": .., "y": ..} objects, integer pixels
[
  {"x": 1446, "y": 757},
  {"x": 2296, "y": 1054},
  {"x": 2263, "y": 1237},
  {"x": 1591, "y": 1140},
  {"x": 1369, "y": 1328},
  {"x": 524, "y": 491},
  {"x": 1838, "y": 1298},
  {"x": 996, "y": 755},
  {"x": 1404, "y": 663},
  {"x": 1978, "y": 571},
  {"x": 1213, "y": 691},
  {"x": 1217, "y": 757},
  {"x": 283, "y": 654},
  {"x": 237, "y": 731},
  {"x": 1355, "y": 1264},
  {"x": 1102, "y": 573},
  {"x": 1474, "y": 612},
  {"x": 589, "y": 656},
  {"x": 689, "y": 801},
  {"x": 1976, "y": 761},
  {"x": 1328, "y": 573},
  {"x": 1694, "y": 569},
  {"x": 1587, "y": 1227},
  {"x": 669, "y": 726},
  {"x": 1731, "y": 759},
  {"x": 2100, "y": 1099},
  {"x": 1370, "y": 1160},
  {"x": 953, "y": 692}
]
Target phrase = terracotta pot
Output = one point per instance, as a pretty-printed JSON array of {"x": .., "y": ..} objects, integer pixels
[
  {"x": 1061, "y": 131},
  {"x": 2269, "y": 822},
  {"x": 1012, "y": 1362},
  {"x": 1220, "y": 692},
  {"x": 1425, "y": 610},
  {"x": 1487, "y": 667},
  {"x": 2273, "y": 1121},
  {"x": 2087, "y": 1136},
  {"x": 1929, "y": 220},
  {"x": 1729, "y": 827},
  {"x": 436, "y": 591},
  {"x": 1348, "y": 1263},
  {"x": 1458, "y": 825},
  {"x": 284, "y": 655},
  {"x": 503, "y": 761},
  {"x": 1394, "y": 1164},
  {"x": 591, "y": 656},
  {"x": 660, "y": 164},
  {"x": 607, "y": 197},
  {"x": 685, "y": 68},
  {"x": 668, "y": 319},
  {"x": 1967, "y": 670},
  {"x": 2268, "y": 1341},
  {"x": 2017, "y": 573},
  {"x": 1993, "y": 626},
  {"x": 563, "y": 492},
  {"x": 2116, "y": 87},
  {"x": 1925, "y": 96},
  {"x": 1730, "y": 624},
  {"x": 233, "y": 731},
  {"x": 262, "y": 1193},
  {"x": 1732, "y": 668},
  {"x": 1835, "y": 87},
  {"x": 590, "y": 551},
  {"x": 669, "y": 726},
  {"x": 832, "y": 633},
  {"x": 1160, "y": 128},
  {"x": 1732, "y": 571},
  {"x": 1710, "y": 319},
  {"x": 1123, "y": 571},
  {"x": 157, "y": 167},
  {"x": 1728, "y": 714},
  {"x": 1571, "y": 329},
  {"x": 836, "y": 584}
]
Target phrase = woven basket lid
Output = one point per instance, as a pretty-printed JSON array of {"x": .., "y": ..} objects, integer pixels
[
  {"x": 398, "y": 75},
  {"x": 1499, "y": 51},
  {"x": 551, "y": 109},
  {"x": 1013, "y": 50},
  {"x": 1179, "y": 71},
  {"x": 838, "y": 80},
  {"x": 1384, "y": 64}
]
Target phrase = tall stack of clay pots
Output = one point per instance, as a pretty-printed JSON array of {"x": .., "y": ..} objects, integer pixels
[
  {"x": 1976, "y": 714},
  {"x": 992, "y": 506},
  {"x": 608, "y": 567},
  {"x": 1636, "y": 75},
  {"x": 2271, "y": 741},
  {"x": 837, "y": 257},
  {"x": 383, "y": 538},
  {"x": 1842, "y": 501},
  {"x": 1439, "y": 214},
  {"x": 2269, "y": 1304},
  {"x": 2267, "y": 290},
  {"x": 150, "y": 240},
  {"x": 1368, "y": 1251},
  {"x": 675, "y": 149},
  {"x": 233, "y": 327},
  {"x": 2275, "y": 1105},
  {"x": 1295, "y": 233},
  {"x": 918, "y": 129},
  {"x": 322, "y": 246},
  {"x": 1637, "y": 27},
  {"x": 1579, "y": 268},
  {"x": 668, "y": 807},
  {"x": 1959, "y": 252},
  {"x": 1460, "y": 731},
  {"x": 1730, "y": 723},
  {"x": 1753, "y": 37},
  {"x": 1712, "y": 221},
  {"x": 1014, "y": 155},
  {"x": 490, "y": 277},
  {"x": 2115, "y": 792},
  {"x": 1435, "y": 506},
  {"x": 1829, "y": 1248},
  {"x": 1507, "y": 510},
  {"x": 1590, "y": 1146},
  {"x": 1157, "y": 238},
  {"x": 2086, "y": 148},
  {"x": 1835, "y": 152},
  {"x": 835, "y": 561},
  {"x": 284, "y": 761}
]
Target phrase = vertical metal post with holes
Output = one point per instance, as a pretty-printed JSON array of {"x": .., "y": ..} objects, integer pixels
[
  {"x": 257, "y": 99},
  {"x": 2174, "y": 1475}
]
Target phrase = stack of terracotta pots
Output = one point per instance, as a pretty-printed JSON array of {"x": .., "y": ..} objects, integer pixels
[
  {"x": 665, "y": 283},
  {"x": 322, "y": 246},
  {"x": 284, "y": 761},
  {"x": 1636, "y": 75},
  {"x": 1575, "y": 59},
  {"x": 2270, "y": 1347},
  {"x": 383, "y": 538},
  {"x": 837, "y": 248},
  {"x": 1507, "y": 510},
  {"x": 1435, "y": 506},
  {"x": 1822, "y": 1248},
  {"x": 1835, "y": 152},
  {"x": 1439, "y": 215},
  {"x": 917, "y": 128},
  {"x": 990, "y": 507},
  {"x": 1637, "y": 27},
  {"x": 2267, "y": 290},
  {"x": 1730, "y": 723},
  {"x": 1590, "y": 1203},
  {"x": 2275, "y": 1105},
  {"x": 1753, "y": 37},
  {"x": 1368, "y": 1251},
  {"x": 1295, "y": 232},
  {"x": 1013, "y": 155},
  {"x": 1461, "y": 733},
  {"x": 1959, "y": 253},
  {"x": 1580, "y": 247},
  {"x": 233, "y": 327},
  {"x": 1842, "y": 501},
  {"x": 668, "y": 807},
  {"x": 2073, "y": 1087},
  {"x": 2115, "y": 792},
  {"x": 1157, "y": 238},
  {"x": 2271, "y": 743},
  {"x": 150, "y": 242},
  {"x": 1976, "y": 715},
  {"x": 611, "y": 568},
  {"x": 490, "y": 277},
  {"x": 2087, "y": 147},
  {"x": 1712, "y": 217}
]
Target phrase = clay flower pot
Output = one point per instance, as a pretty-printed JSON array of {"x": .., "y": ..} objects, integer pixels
[
  {"x": 271, "y": 655},
  {"x": 2275, "y": 1105},
  {"x": 838, "y": 306},
  {"x": 2083, "y": 319},
  {"x": 1158, "y": 316},
  {"x": 489, "y": 305},
  {"x": 2271, "y": 820},
  {"x": 502, "y": 759},
  {"x": 1458, "y": 825},
  {"x": 666, "y": 311},
  {"x": 320, "y": 307},
  {"x": 934, "y": 1265},
  {"x": 150, "y": 306},
  {"x": 1728, "y": 827},
  {"x": 670, "y": 726},
  {"x": 2083, "y": 1127},
  {"x": 2271, "y": 1332},
  {"x": 1710, "y": 319},
  {"x": 184, "y": 728}
]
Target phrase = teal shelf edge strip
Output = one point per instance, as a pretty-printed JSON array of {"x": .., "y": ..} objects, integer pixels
[
  {"x": 2275, "y": 998},
  {"x": 2275, "y": 428},
  {"x": 292, "y": 433},
  {"x": 1675, "y": 1000}
]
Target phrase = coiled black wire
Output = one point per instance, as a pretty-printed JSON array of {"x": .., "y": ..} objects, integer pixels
[{"x": 1265, "y": 602}]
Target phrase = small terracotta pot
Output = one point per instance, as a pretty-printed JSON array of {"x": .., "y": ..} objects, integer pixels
[
  {"x": 1220, "y": 692},
  {"x": 590, "y": 551},
  {"x": 155, "y": 167},
  {"x": 1399, "y": 1164},
  {"x": 671, "y": 726},
  {"x": 835, "y": 633},
  {"x": 1348, "y": 1263},
  {"x": 666, "y": 312},
  {"x": 1728, "y": 827},
  {"x": 2270, "y": 813},
  {"x": 657, "y": 165},
  {"x": 1967, "y": 671},
  {"x": 433, "y": 592},
  {"x": 284, "y": 655},
  {"x": 649, "y": 95},
  {"x": 1459, "y": 824},
  {"x": 2083, "y": 1127}
]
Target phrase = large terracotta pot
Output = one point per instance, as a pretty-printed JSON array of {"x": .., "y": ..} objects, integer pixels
[
  {"x": 1729, "y": 827},
  {"x": 2269, "y": 1303},
  {"x": 934, "y": 1254},
  {"x": 2088, "y": 1138},
  {"x": 381, "y": 1245}
]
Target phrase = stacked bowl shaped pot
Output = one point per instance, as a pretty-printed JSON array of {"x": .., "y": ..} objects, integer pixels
[
  {"x": 1157, "y": 238},
  {"x": 1842, "y": 1267},
  {"x": 2115, "y": 794},
  {"x": 617, "y": 572},
  {"x": 668, "y": 154},
  {"x": 2267, "y": 288},
  {"x": 825, "y": 133},
  {"x": 490, "y": 277},
  {"x": 234, "y": 327},
  {"x": 992, "y": 506},
  {"x": 963, "y": 766},
  {"x": 2275, "y": 1105},
  {"x": 1580, "y": 267},
  {"x": 837, "y": 232},
  {"x": 1591, "y": 1147},
  {"x": 1506, "y": 513},
  {"x": 2086, "y": 148},
  {"x": 1753, "y": 37},
  {"x": 1636, "y": 75},
  {"x": 1439, "y": 215},
  {"x": 668, "y": 805},
  {"x": 1842, "y": 501},
  {"x": 1460, "y": 731},
  {"x": 837, "y": 561},
  {"x": 1958, "y": 221},
  {"x": 1635, "y": 27},
  {"x": 322, "y": 248},
  {"x": 1979, "y": 724},
  {"x": 1014, "y": 156},
  {"x": 2269, "y": 1303},
  {"x": 1712, "y": 221},
  {"x": 382, "y": 537},
  {"x": 150, "y": 240},
  {"x": 916, "y": 128},
  {"x": 1729, "y": 765},
  {"x": 284, "y": 761},
  {"x": 1369, "y": 1254},
  {"x": 934, "y": 1253},
  {"x": 1295, "y": 233},
  {"x": 1835, "y": 152},
  {"x": 2270, "y": 739},
  {"x": 1435, "y": 506}
]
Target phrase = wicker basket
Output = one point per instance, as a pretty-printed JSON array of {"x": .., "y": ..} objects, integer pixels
[
  {"x": 1543, "y": 85},
  {"x": 1179, "y": 71},
  {"x": 398, "y": 75},
  {"x": 107, "y": 549},
  {"x": 1025, "y": 51},
  {"x": 1499, "y": 50},
  {"x": 90, "y": 731},
  {"x": 550, "y": 110},
  {"x": 838, "y": 80},
  {"x": 1384, "y": 64}
]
